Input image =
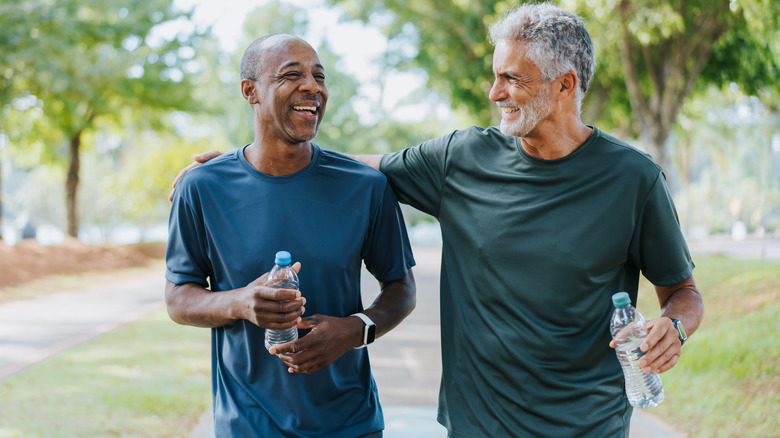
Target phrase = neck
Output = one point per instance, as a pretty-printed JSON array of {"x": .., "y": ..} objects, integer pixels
[
  {"x": 279, "y": 159},
  {"x": 553, "y": 141}
]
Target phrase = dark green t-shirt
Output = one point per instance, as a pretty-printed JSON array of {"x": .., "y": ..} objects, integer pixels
[{"x": 533, "y": 251}]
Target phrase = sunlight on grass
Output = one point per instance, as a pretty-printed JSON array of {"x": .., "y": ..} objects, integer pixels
[
  {"x": 727, "y": 382},
  {"x": 148, "y": 378}
]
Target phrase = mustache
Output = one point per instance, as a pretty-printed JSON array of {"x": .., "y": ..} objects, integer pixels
[
  {"x": 309, "y": 99},
  {"x": 507, "y": 103}
]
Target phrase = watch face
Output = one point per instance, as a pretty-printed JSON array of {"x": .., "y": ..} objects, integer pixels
[
  {"x": 371, "y": 333},
  {"x": 681, "y": 329}
]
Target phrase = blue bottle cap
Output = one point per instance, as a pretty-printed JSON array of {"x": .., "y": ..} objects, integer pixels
[
  {"x": 283, "y": 258},
  {"x": 621, "y": 299}
]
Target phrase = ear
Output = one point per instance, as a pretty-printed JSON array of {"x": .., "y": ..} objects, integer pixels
[
  {"x": 568, "y": 85},
  {"x": 248, "y": 91}
]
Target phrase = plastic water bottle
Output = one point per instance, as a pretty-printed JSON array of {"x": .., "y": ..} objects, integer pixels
[
  {"x": 628, "y": 330},
  {"x": 282, "y": 276}
]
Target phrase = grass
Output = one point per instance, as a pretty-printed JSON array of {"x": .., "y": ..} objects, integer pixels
[
  {"x": 727, "y": 382},
  {"x": 152, "y": 377},
  {"x": 148, "y": 378}
]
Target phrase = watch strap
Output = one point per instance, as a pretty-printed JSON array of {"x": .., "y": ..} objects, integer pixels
[
  {"x": 368, "y": 325},
  {"x": 681, "y": 335}
]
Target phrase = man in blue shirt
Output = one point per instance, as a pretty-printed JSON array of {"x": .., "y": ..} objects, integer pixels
[{"x": 282, "y": 192}]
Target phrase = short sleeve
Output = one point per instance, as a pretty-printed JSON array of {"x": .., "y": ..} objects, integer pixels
[
  {"x": 386, "y": 250},
  {"x": 417, "y": 173},
  {"x": 186, "y": 256},
  {"x": 658, "y": 246}
]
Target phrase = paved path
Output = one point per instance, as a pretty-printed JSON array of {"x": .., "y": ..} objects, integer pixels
[
  {"x": 33, "y": 330},
  {"x": 406, "y": 362}
]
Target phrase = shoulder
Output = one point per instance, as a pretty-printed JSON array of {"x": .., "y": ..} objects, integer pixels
[
  {"x": 339, "y": 164},
  {"x": 627, "y": 157},
  {"x": 211, "y": 172},
  {"x": 474, "y": 134}
]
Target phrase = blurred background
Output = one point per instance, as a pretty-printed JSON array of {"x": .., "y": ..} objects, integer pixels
[{"x": 102, "y": 102}]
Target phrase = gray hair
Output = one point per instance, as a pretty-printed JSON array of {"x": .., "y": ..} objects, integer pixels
[
  {"x": 558, "y": 41},
  {"x": 252, "y": 60}
]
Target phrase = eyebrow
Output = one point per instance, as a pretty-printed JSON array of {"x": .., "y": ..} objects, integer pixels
[{"x": 297, "y": 64}]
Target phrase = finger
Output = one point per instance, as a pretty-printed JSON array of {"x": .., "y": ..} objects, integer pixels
[
  {"x": 268, "y": 323},
  {"x": 286, "y": 348},
  {"x": 183, "y": 171},
  {"x": 309, "y": 322},
  {"x": 274, "y": 294},
  {"x": 655, "y": 334},
  {"x": 297, "y": 267},
  {"x": 205, "y": 156},
  {"x": 661, "y": 353},
  {"x": 170, "y": 195}
]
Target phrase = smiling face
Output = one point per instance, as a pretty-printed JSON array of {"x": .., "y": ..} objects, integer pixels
[
  {"x": 525, "y": 99},
  {"x": 289, "y": 93}
]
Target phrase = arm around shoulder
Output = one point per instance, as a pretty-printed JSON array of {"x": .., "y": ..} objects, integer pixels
[{"x": 371, "y": 160}]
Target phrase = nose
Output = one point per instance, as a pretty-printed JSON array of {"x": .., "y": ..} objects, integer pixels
[
  {"x": 496, "y": 92},
  {"x": 309, "y": 84}
]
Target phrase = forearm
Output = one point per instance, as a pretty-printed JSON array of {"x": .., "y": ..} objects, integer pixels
[
  {"x": 191, "y": 304},
  {"x": 371, "y": 160},
  {"x": 395, "y": 302},
  {"x": 684, "y": 302}
]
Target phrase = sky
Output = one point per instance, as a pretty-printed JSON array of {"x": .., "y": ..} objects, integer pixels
[{"x": 357, "y": 45}]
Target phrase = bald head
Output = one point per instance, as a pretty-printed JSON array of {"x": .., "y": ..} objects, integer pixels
[{"x": 252, "y": 61}]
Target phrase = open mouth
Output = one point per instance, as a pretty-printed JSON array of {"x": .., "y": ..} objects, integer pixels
[{"x": 311, "y": 110}]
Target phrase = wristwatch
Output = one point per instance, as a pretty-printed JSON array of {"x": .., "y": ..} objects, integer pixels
[
  {"x": 369, "y": 330},
  {"x": 678, "y": 325}
]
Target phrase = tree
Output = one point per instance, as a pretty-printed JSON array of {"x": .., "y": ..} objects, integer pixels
[
  {"x": 98, "y": 60},
  {"x": 652, "y": 54},
  {"x": 670, "y": 49}
]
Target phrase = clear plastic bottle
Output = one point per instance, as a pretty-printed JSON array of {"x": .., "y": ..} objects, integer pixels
[
  {"x": 282, "y": 276},
  {"x": 628, "y": 330}
]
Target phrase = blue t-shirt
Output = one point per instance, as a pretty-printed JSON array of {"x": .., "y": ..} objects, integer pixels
[{"x": 227, "y": 222}]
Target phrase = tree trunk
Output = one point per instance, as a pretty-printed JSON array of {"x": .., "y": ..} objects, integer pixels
[
  {"x": 654, "y": 136},
  {"x": 71, "y": 186},
  {"x": 660, "y": 76}
]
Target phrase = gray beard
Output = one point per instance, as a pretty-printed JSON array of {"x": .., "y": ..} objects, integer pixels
[{"x": 530, "y": 115}]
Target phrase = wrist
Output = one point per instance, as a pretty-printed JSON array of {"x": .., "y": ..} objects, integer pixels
[
  {"x": 367, "y": 330},
  {"x": 678, "y": 326}
]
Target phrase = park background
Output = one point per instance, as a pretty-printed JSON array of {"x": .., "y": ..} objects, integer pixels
[{"x": 102, "y": 102}]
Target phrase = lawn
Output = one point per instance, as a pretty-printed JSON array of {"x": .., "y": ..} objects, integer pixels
[
  {"x": 150, "y": 378},
  {"x": 727, "y": 383}
]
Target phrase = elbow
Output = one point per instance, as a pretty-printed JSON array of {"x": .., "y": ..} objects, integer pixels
[{"x": 173, "y": 302}]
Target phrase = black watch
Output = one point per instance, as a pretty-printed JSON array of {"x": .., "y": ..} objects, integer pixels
[
  {"x": 678, "y": 325},
  {"x": 369, "y": 329}
]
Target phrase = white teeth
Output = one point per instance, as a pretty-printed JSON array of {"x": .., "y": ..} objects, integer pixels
[{"x": 305, "y": 108}]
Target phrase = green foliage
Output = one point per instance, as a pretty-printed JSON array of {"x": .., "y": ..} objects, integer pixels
[
  {"x": 666, "y": 44},
  {"x": 726, "y": 382},
  {"x": 448, "y": 40},
  {"x": 84, "y": 62},
  {"x": 148, "y": 377}
]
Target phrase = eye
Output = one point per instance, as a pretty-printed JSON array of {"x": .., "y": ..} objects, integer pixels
[{"x": 292, "y": 75}]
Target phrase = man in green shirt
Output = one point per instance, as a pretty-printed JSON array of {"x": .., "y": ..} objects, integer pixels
[{"x": 542, "y": 221}]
